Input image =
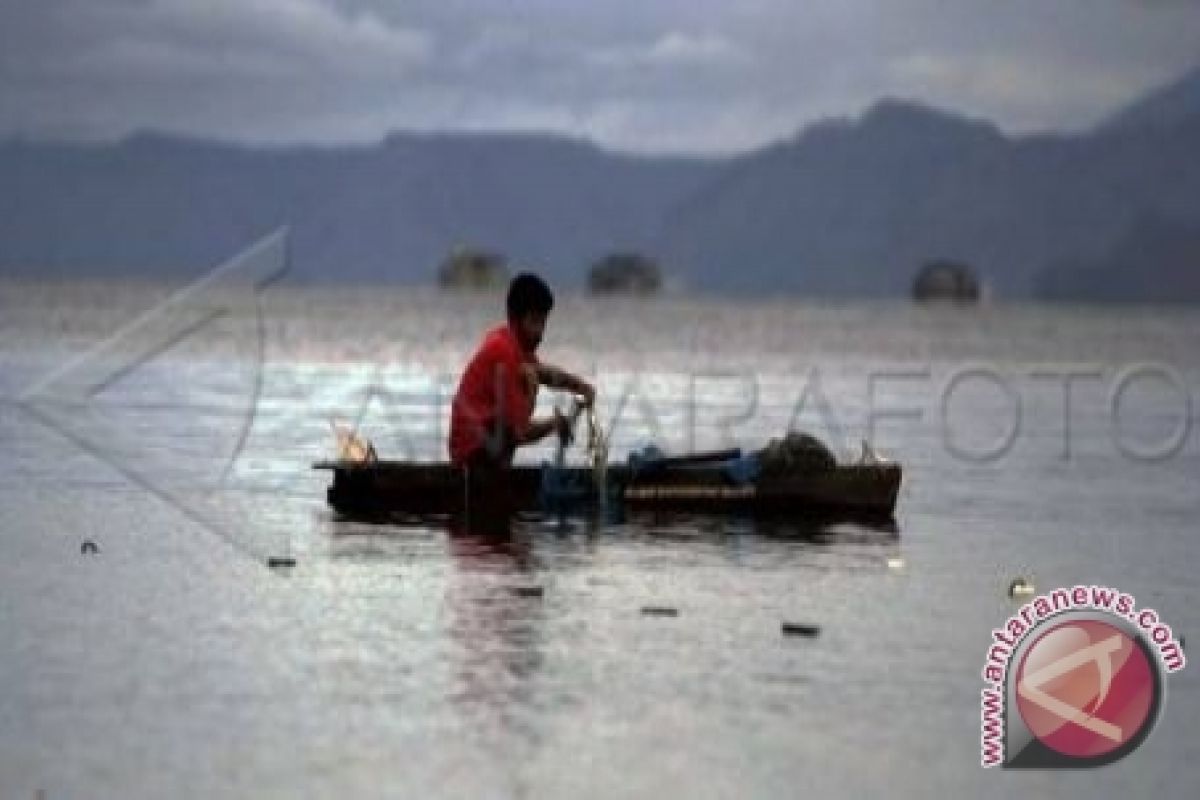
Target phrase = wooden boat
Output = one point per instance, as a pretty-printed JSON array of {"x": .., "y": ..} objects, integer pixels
[{"x": 706, "y": 485}]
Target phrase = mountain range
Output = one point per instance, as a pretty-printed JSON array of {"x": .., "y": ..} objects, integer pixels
[{"x": 845, "y": 208}]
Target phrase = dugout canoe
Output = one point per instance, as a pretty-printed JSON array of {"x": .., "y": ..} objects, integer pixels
[{"x": 846, "y": 491}]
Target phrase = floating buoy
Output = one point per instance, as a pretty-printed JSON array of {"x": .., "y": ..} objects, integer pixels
[
  {"x": 1020, "y": 587},
  {"x": 276, "y": 562},
  {"x": 805, "y": 629},
  {"x": 528, "y": 591},
  {"x": 660, "y": 611},
  {"x": 88, "y": 548}
]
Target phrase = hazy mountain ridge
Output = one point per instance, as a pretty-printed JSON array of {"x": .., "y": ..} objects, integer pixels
[
  {"x": 844, "y": 208},
  {"x": 155, "y": 204},
  {"x": 855, "y": 207},
  {"x": 1168, "y": 106}
]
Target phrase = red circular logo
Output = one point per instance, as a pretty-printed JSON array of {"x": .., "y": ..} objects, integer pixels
[{"x": 1086, "y": 688}]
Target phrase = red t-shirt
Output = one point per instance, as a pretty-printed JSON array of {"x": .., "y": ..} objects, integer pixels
[{"x": 493, "y": 388}]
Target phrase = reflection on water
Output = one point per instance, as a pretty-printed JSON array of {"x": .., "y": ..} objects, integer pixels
[
  {"x": 420, "y": 657},
  {"x": 495, "y": 630}
]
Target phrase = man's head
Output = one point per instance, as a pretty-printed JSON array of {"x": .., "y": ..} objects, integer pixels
[{"x": 529, "y": 303}]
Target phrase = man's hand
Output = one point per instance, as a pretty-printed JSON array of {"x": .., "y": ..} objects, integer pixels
[
  {"x": 555, "y": 378},
  {"x": 587, "y": 393},
  {"x": 563, "y": 427}
]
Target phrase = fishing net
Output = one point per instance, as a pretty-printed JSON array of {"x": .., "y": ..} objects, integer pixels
[{"x": 597, "y": 447}]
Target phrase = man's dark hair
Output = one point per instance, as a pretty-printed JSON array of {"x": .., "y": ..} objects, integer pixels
[{"x": 528, "y": 294}]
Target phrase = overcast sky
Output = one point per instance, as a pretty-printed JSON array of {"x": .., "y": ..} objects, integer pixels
[{"x": 646, "y": 75}]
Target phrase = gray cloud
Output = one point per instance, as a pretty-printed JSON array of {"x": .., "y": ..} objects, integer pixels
[{"x": 695, "y": 75}]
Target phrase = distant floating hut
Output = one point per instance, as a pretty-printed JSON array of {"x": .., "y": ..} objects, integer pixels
[
  {"x": 473, "y": 270},
  {"x": 947, "y": 282},
  {"x": 625, "y": 273}
]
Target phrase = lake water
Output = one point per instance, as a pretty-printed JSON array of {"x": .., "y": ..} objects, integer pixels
[{"x": 399, "y": 661}]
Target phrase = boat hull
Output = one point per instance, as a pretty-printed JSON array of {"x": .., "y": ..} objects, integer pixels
[{"x": 865, "y": 491}]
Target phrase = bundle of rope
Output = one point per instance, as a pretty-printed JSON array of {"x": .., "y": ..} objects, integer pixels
[
  {"x": 560, "y": 487},
  {"x": 350, "y": 445}
]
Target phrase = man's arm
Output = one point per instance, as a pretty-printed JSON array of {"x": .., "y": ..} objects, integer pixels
[
  {"x": 539, "y": 429},
  {"x": 556, "y": 378}
]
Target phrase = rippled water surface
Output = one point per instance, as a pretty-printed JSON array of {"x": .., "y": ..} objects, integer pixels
[{"x": 419, "y": 660}]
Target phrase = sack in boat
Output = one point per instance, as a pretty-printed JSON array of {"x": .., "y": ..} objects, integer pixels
[{"x": 795, "y": 453}]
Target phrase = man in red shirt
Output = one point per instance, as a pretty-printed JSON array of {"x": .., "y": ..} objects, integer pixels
[{"x": 492, "y": 413}]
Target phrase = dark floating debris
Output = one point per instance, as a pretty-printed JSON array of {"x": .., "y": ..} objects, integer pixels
[
  {"x": 88, "y": 548},
  {"x": 1020, "y": 587},
  {"x": 801, "y": 629},
  {"x": 276, "y": 562},
  {"x": 528, "y": 591},
  {"x": 660, "y": 611}
]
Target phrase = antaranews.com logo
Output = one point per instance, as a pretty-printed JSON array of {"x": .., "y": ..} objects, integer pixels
[{"x": 1074, "y": 679}]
